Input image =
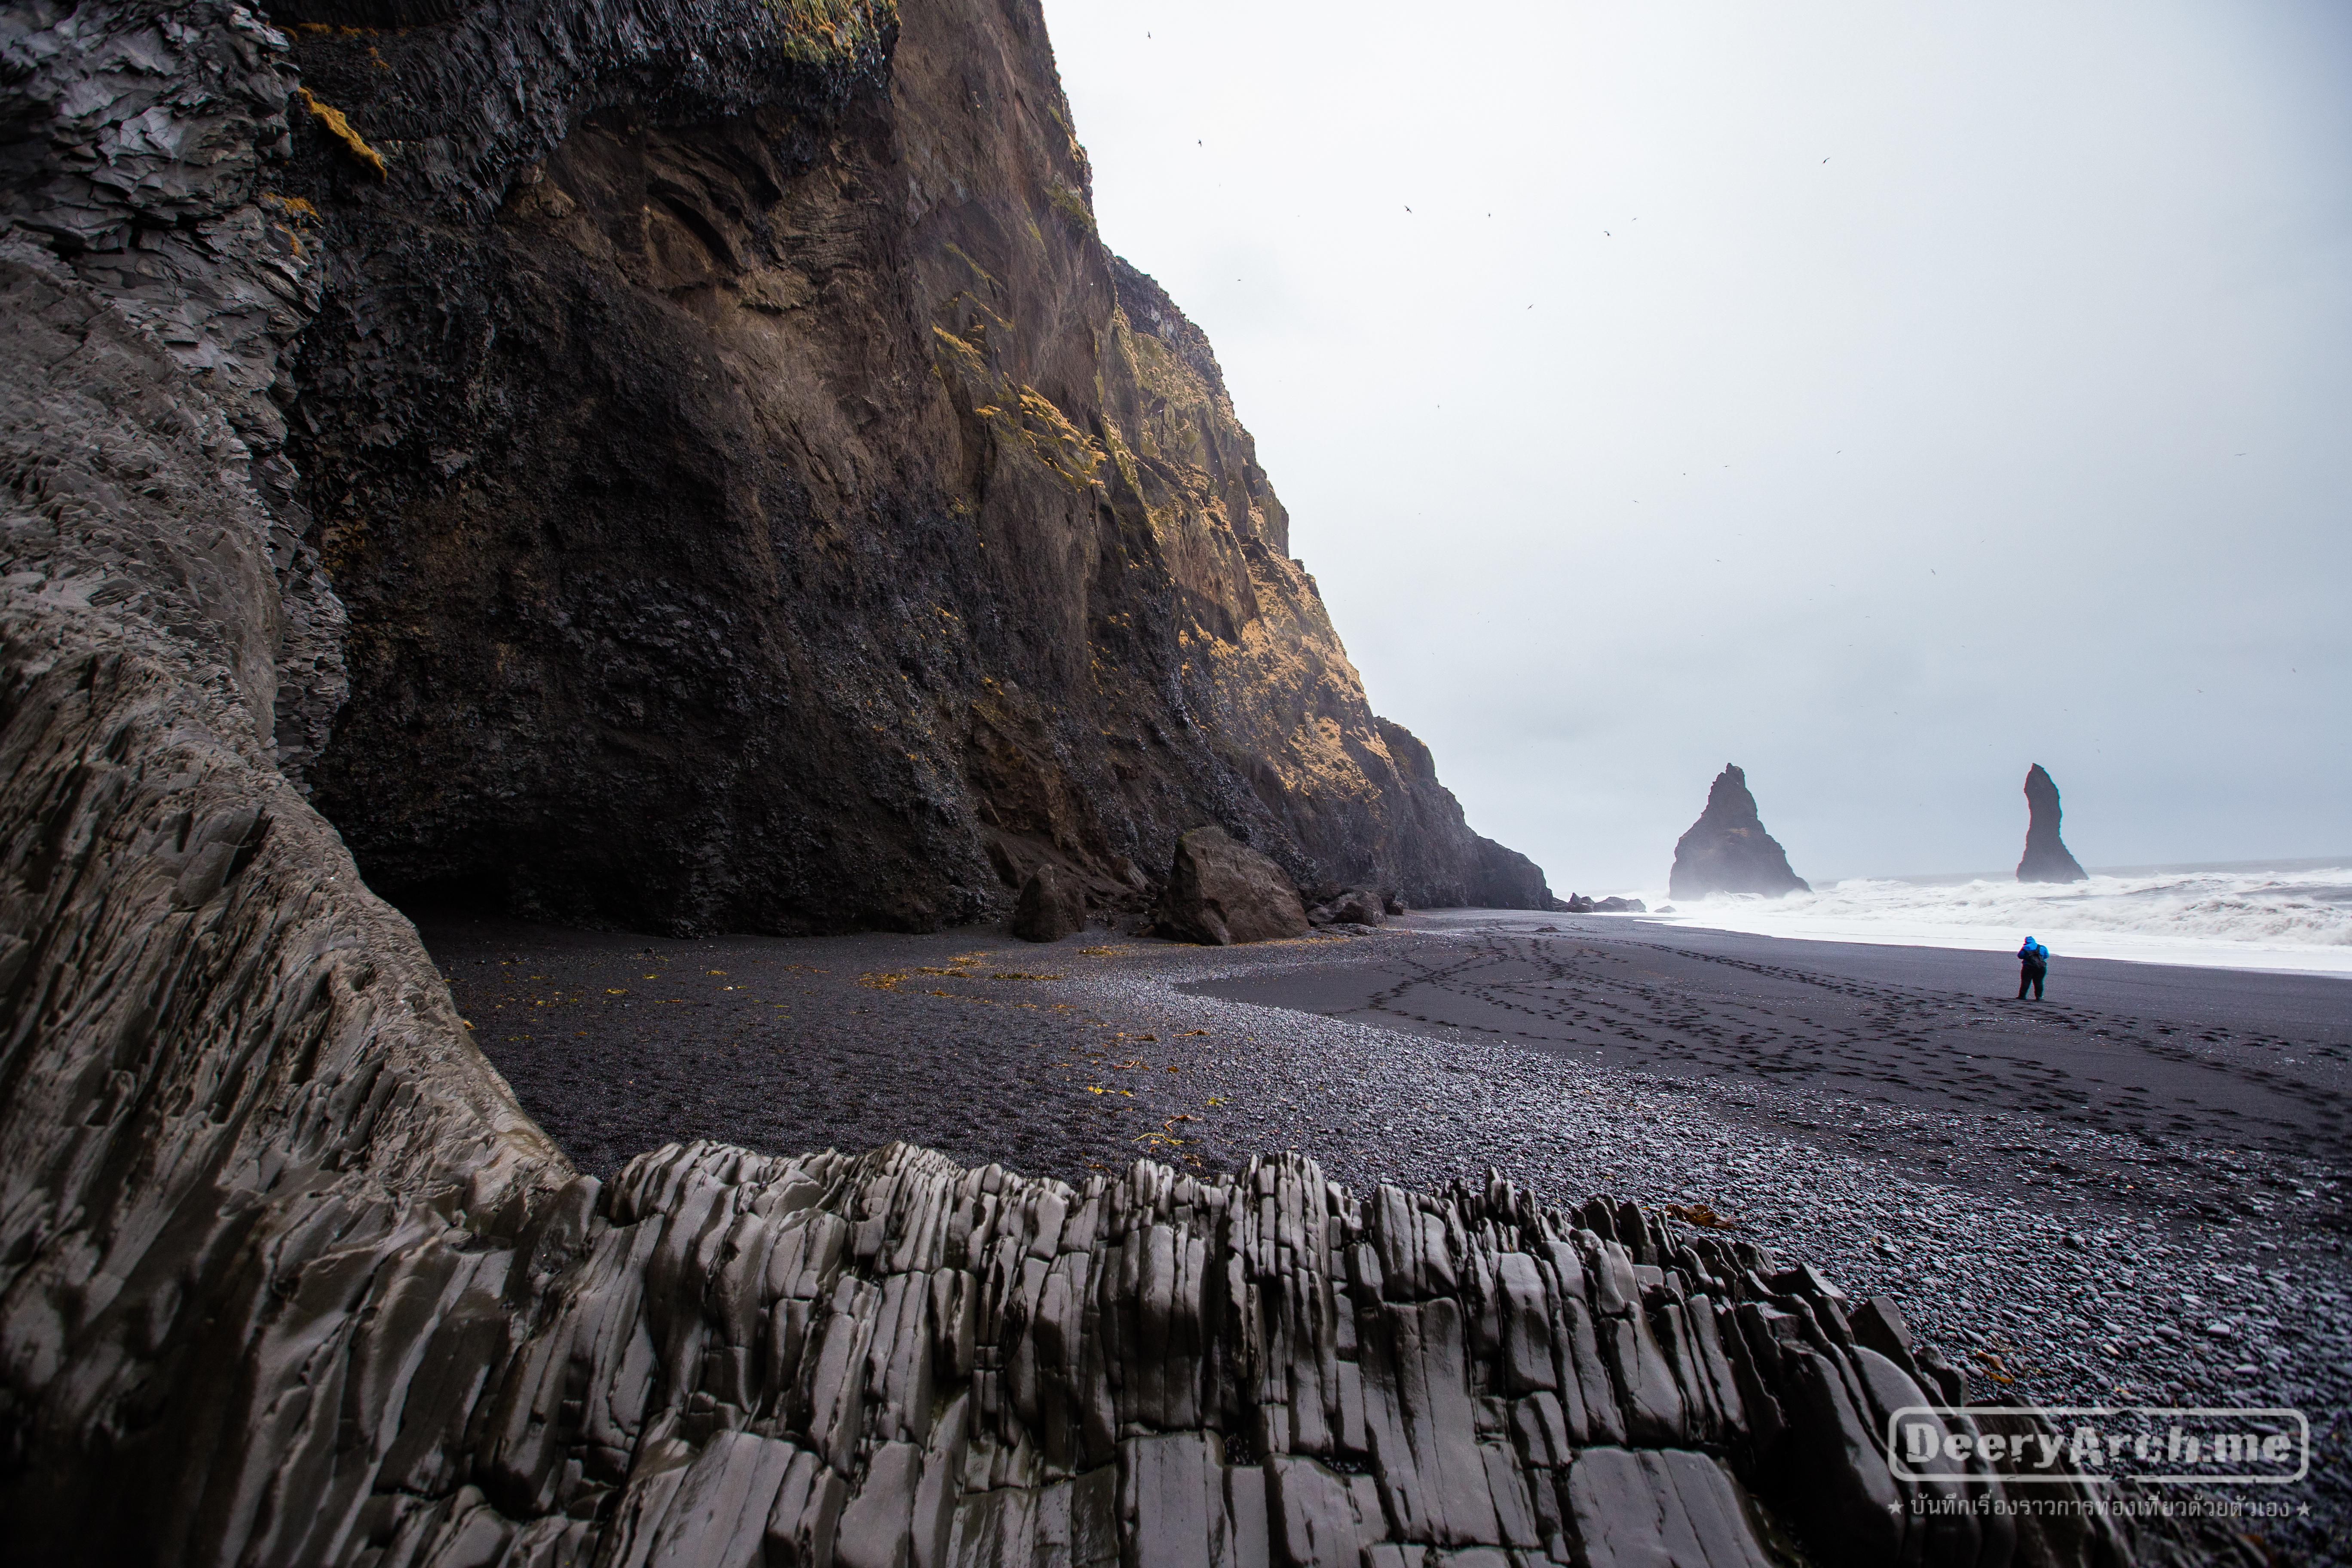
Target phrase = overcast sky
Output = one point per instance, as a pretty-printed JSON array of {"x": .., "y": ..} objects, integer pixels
[{"x": 1883, "y": 396}]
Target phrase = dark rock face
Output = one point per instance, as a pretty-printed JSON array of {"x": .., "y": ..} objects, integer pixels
[
  {"x": 768, "y": 434},
  {"x": 2047, "y": 859},
  {"x": 1051, "y": 904},
  {"x": 286, "y": 1276},
  {"x": 1350, "y": 906},
  {"x": 1220, "y": 892},
  {"x": 1578, "y": 904},
  {"x": 1727, "y": 850}
]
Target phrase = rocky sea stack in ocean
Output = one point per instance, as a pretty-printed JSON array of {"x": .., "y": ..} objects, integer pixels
[
  {"x": 1727, "y": 850},
  {"x": 2047, "y": 859}
]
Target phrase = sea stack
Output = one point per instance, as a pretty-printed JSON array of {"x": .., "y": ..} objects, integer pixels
[
  {"x": 2046, "y": 858},
  {"x": 1727, "y": 850}
]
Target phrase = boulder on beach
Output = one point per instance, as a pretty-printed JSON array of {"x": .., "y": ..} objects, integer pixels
[
  {"x": 1221, "y": 891},
  {"x": 1584, "y": 904},
  {"x": 1350, "y": 906},
  {"x": 1051, "y": 904},
  {"x": 2046, "y": 856},
  {"x": 1727, "y": 850}
]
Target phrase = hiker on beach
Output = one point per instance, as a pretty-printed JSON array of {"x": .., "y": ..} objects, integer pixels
[{"x": 2032, "y": 963}]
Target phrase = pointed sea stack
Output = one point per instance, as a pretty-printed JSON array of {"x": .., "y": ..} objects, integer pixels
[
  {"x": 2046, "y": 858},
  {"x": 1727, "y": 850}
]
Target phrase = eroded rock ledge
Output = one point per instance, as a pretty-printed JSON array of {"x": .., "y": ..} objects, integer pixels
[{"x": 889, "y": 1360}]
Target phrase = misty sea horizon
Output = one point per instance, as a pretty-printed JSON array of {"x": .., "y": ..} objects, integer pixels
[{"x": 2291, "y": 915}]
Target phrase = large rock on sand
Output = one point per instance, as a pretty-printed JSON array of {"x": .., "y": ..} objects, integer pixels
[
  {"x": 1350, "y": 906},
  {"x": 2046, "y": 857},
  {"x": 1220, "y": 892},
  {"x": 1053, "y": 904},
  {"x": 1727, "y": 850}
]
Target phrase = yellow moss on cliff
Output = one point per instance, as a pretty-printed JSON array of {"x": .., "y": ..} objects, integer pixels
[
  {"x": 341, "y": 130},
  {"x": 822, "y": 31}
]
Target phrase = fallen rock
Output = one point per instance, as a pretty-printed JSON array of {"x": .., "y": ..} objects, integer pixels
[
  {"x": 2046, "y": 856},
  {"x": 1727, "y": 850},
  {"x": 1051, "y": 904},
  {"x": 1574, "y": 904},
  {"x": 1617, "y": 906},
  {"x": 1352, "y": 906},
  {"x": 1220, "y": 892}
]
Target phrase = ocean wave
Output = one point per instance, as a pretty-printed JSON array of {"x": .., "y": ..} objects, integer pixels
[{"x": 2270, "y": 918}]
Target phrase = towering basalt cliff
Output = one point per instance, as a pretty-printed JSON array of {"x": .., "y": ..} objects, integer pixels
[
  {"x": 2046, "y": 857},
  {"x": 790, "y": 453},
  {"x": 1727, "y": 850}
]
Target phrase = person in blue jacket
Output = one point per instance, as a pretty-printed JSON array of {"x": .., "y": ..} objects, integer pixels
[{"x": 2032, "y": 964}]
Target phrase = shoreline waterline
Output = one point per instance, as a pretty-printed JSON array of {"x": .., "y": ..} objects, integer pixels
[{"x": 2279, "y": 917}]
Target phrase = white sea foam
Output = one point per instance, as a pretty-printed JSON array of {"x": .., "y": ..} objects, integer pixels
[{"x": 2270, "y": 916}]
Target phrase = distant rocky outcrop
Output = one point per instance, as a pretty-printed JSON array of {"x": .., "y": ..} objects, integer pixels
[
  {"x": 1220, "y": 892},
  {"x": 1578, "y": 904},
  {"x": 2047, "y": 859},
  {"x": 1727, "y": 850}
]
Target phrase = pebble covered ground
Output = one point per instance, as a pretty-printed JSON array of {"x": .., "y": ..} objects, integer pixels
[{"x": 2063, "y": 1263}]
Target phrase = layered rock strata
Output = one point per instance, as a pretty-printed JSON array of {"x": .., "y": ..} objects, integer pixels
[
  {"x": 1727, "y": 850},
  {"x": 2046, "y": 857}
]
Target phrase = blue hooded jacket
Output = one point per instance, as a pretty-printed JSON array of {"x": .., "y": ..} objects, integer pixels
[{"x": 2034, "y": 952}]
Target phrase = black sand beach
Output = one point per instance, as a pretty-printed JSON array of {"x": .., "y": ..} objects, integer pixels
[
  {"x": 2153, "y": 1052},
  {"x": 976, "y": 1044},
  {"x": 2130, "y": 1193}
]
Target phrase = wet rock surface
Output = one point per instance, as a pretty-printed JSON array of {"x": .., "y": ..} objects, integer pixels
[
  {"x": 2046, "y": 858},
  {"x": 1727, "y": 850}
]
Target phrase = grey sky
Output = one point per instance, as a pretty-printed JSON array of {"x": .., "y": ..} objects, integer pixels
[{"x": 2020, "y": 429}]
